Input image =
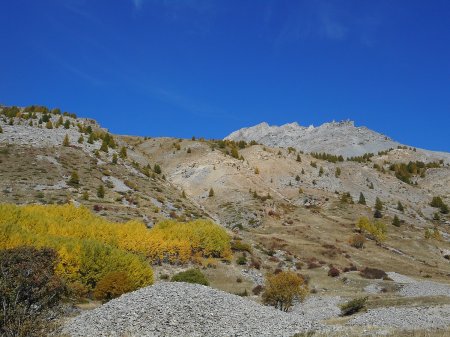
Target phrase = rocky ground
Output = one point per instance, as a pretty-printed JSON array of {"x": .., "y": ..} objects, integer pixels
[{"x": 181, "y": 309}]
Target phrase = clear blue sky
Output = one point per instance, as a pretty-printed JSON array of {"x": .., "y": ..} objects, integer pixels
[{"x": 206, "y": 68}]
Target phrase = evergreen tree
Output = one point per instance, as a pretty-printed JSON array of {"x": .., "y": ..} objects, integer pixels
[
  {"x": 189, "y": 150},
  {"x": 371, "y": 186},
  {"x": 299, "y": 159},
  {"x": 101, "y": 191},
  {"x": 123, "y": 152},
  {"x": 157, "y": 169},
  {"x": 256, "y": 170},
  {"x": 85, "y": 195},
  {"x": 81, "y": 140},
  {"x": 211, "y": 192},
  {"x": 66, "y": 141},
  {"x": 183, "y": 194},
  {"x": 321, "y": 171},
  {"x": 400, "y": 207},
  {"x": 337, "y": 173},
  {"x": 30, "y": 123},
  {"x": 114, "y": 159},
  {"x": 297, "y": 177},
  {"x": 303, "y": 171},
  {"x": 91, "y": 138},
  {"x": 378, "y": 204},
  {"x": 234, "y": 153},
  {"x": 74, "y": 180},
  {"x": 362, "y": 199},
  {"x": 1, "y": 130},
  {"x": 104, "y": 146},
  {"x": 67, "y": 124},
  {"x": 396, "y": 221}
]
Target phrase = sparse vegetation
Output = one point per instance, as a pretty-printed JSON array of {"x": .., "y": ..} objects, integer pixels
[
  {"x": 191, "y": 276},
  {"x": 353, "y": 306},
  {"x": 377, "y": 230}
]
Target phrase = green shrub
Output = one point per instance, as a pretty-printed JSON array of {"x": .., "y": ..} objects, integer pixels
[
  {"x": 241, "y": 260},
  {"x": 353, "y": 306},
  {"x": 191, "y": 276},
  {"x": 238, "y": 245}
]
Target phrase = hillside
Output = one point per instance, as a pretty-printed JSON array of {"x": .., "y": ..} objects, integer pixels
[{"x": 284, "y": 206}]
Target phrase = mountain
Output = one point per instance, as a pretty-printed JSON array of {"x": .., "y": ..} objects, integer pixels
[
  {"x": 338, "y": 138},
  {"x": 283, "y": 209}
]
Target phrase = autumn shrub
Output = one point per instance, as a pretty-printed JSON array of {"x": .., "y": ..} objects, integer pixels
[
  {"x": 357, "y": 241},
  {"x": 112, "y": 285},
  {"x": 257, "y": 290},
  {"x": 353, "y": 306},
  {"x": 88, "y": 246},
  {"x": 191, "y": 276},
  {"x": 180, "y": 242},
  {"x": 281, "y": 289},
  {"x": 29, "y": 288},
  {"x": 333, "y": 272},
  {"x": 373, "y": 273}
]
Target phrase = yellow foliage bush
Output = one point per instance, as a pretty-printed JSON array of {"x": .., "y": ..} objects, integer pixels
[
  {"x": 88, "y": 246},
  {"x": 376, "y": 229},
  {"x": 282, "y": 288},
  {"x": 178, "y": 242}
]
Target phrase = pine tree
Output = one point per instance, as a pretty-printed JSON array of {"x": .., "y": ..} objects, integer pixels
[
  {"x": 91, "y": 138},
  {"x": 104, "y": 146},
  {"x": 303, "y": 171},
  {"x": 123, "y": 152},
  {"x": 114, "y": 159},
  {"x": 378, "y": 204},
  {"x": 400, "y": 207},
  {"x": 101, "y": 191},
  {"x": 81, "y": 140},
  {"x": 74, "y": 180},
  {"x": 256, "y": 170},
  {"x": 66, "y": 141},
  {"x": 321, "y": 171},
  {"x": 211, "y": 192},
  {"x": 337, "y": 173},
  {"x": 67, "y": 124},
  {"x": 234, "y": 153},
  {"x": 183, "y": 194},
  {"x": 396, "y": 221},
  {"x": 362, "y": 199},
  {"x": 299, "y": 159},
  {"x": 371, "y": 186},
  {"x": 30, "y": 123},
  {"x": 297, "y": 178},
  {"x": 85, "y": 195},
  {"x": 1, "y": 130},
  {"x": 157, "y": 169}
]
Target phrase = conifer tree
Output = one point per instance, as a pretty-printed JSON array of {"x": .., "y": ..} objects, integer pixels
[
  {"x": 101, "y": 191},
  {"x": 299, "y": 159},
  {"x": 81, "y": 140},
  {"x": 74, "y": 180},
  {"x": 66, "y": 141},
  {"x": 67, "y": 124},
  {"x": 362, "y": 199},
  {"x": 104, "y": 146},
  {"x": 321, "y": 171},
  {"x": 157, "y": 169},
  {"x": 114, "y": 160},
  {"x": 400, "y": 207},
  {"x": 85, "y": 195},
  {"x": 337, "y": 173},
  {"x": 91, "y": 138},
  {"x": 396, "y": 221},
  {"x": 211, "y": 192},
  {"x": 123, "y": 152},
  {"x": 378, "y": 204},
  {"x": 1, "y": 130}
]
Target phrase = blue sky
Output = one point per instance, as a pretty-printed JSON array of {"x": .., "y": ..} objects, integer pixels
[{"x": 206, "y": 68}]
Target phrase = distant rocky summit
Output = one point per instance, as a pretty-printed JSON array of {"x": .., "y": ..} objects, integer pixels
[{"x": 339, "y": 138}]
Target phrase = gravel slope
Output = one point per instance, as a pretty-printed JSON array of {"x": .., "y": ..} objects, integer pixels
[{"x": 181, "y": 309}]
